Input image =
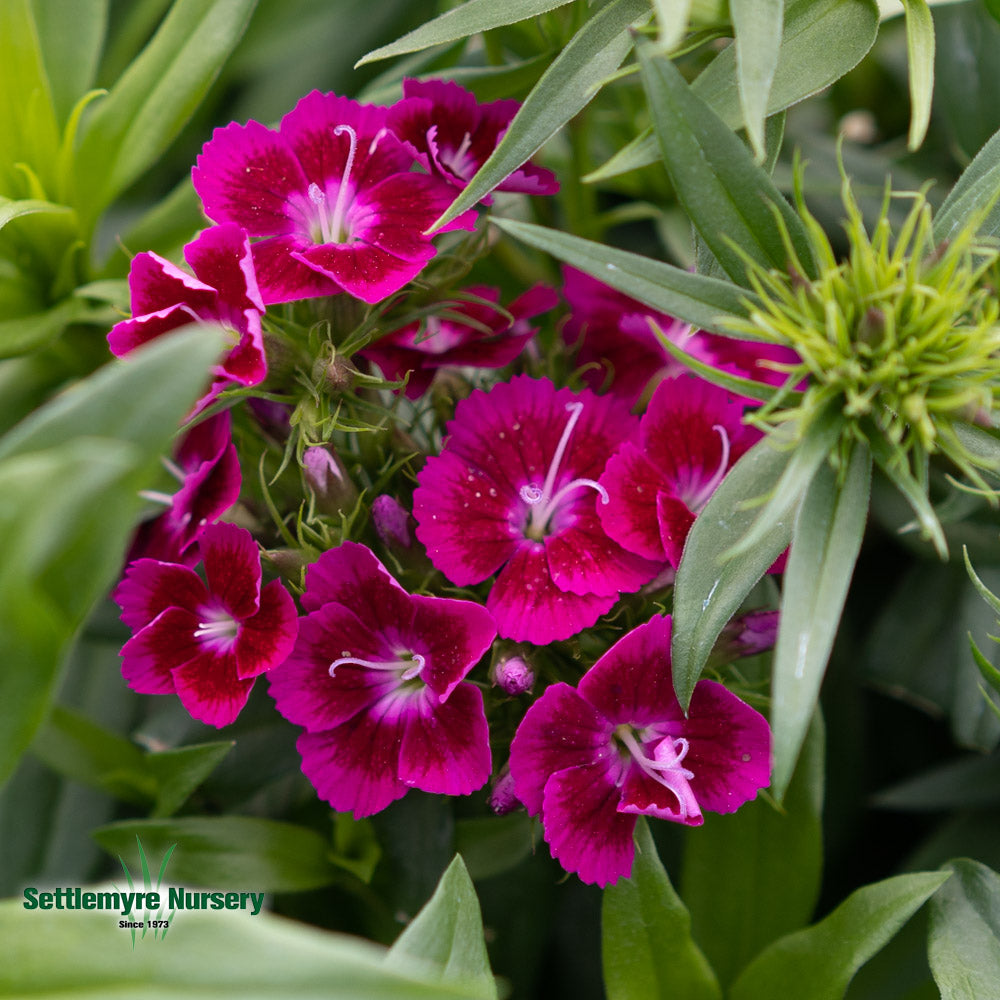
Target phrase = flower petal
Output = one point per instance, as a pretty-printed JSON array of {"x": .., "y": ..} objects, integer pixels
[
  {"x": 210, "y": 689},
  {"x": 674, "y": 521},
  {"x": 151, "y": 655},
  {"x": 265, "y": 639},
  {"x": 150, "y": 587},
  {"x": 446, "y": 745},
  {"x": 284, "y": 278},
  {"x": 220, "y": 257},
  {"x": 629, "y": 517},
  {"x": 232, "y": 568},
  {"x": 560, "y": 730}
]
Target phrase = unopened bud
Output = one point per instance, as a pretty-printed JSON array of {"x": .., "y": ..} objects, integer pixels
[
  {"x": 513, "y": 676},
  {"x": 747, "y": 635},
  {"x": 327, "y": 478},
  {"x": 391, "y": 522},
  {"x": 502, "y": 798}
]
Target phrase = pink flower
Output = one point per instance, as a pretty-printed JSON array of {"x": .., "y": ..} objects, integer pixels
[
  {"x": 223, "y": 291},
  {"x": 208, "y": 469},
  {"x": 489, "y": 338},
  {"x": 376, "y": 679},
  {"x": 205, "y": 641},
  {"x": 614, "y": 337},
  {"x": 455, "y": 135},
  {"x": 589, "y": 760},
  {"x": 689, "y": 438},
  {"x": 515, "y": 490},
  {"x": 332, "y": 196}
]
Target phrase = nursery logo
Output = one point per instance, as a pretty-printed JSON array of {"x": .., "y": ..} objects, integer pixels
[{"x": 149, "y": 910}]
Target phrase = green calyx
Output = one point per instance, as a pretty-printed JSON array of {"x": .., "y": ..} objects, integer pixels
[{"x": 901, "y": 338}]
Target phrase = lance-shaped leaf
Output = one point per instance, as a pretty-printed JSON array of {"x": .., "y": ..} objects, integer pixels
[
  {"x": 729, "y": 861},
  {"x": 758, "y": 27},
  {"x": 963, "y": 939},
  {"x": 694, "y": 298},
  {"x": 826, "y": 540},
  {"x": 822, "y": 40},
  {"x": 974, "y": 193},
  {"x": 646, "y": 942},
  {"x": 469, "y": 18},
  {"x": 565, "y": 88},
  {"x": 158, "y": 93},
  {"x": 448, "y": 933},
  {"x": 920, "y": 50},
  {"x": 708, "y": 590},
  {"x": 819, "y": 962},
  {"x": 731, "y": 201}
]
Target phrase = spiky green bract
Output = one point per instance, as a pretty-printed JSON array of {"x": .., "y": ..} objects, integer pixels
[{"x": 901, "y": 338}]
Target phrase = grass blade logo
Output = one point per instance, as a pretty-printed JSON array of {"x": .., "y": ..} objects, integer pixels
[{"x": 159, "y": 922}]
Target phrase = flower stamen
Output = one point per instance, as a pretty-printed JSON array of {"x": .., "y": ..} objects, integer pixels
[
  {"x": 664, "y": 767},
  {"x": 411, "y": 664},
  {"x": 702, "y": 496}
]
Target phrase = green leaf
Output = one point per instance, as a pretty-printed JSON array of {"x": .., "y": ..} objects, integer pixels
[
  {"x": 672, "y": 18},
  {"x": 731, "y": 201},
  {"x": 707, "y": 591},
  {"x": 818, "y": 963},
  {"x": 758, "y": 27},
  {"x": 448, "y": 932},
  {"x": 469, "y": 18},
  {"x": 78, "y": 954},
  {"x": 974, "y": 193},
  {"x": 646, "y": 942},
  {"x": 822, "y": 40},
  {"x": 920, "y": 50},
  {"x": 11, "y": 209},
  {"x": 971, "y": 782},
  {"x": 565, "y": 88},
  {"x": 826, "y": 540},
  {"x": 147, "y": 107},
  {"x": 736, "y": 868},
  {"x": 493, "y": 844},
  {"x": 28, "y": 333},
  {"x": 98, "y": 444},
  {"x": 178, "y": 772},
  {"x": 235, "y": 852},
  {"x": 71, "y": 33},
  {"x": 694, "y": 298},
  {"x": 963, "y": 941}
]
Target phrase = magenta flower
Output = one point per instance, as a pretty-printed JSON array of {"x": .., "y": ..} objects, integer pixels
[
  {"x": 489, "y": 338},
  {"x": 330, "y": 194},
  {"x": 205, "y": 641},
  {"x": 223, "y": 291},
  {"x": 613, "y": 337},
  {"x": 208, "y": 469},
  {"x": 455, "y": 135},
  {"x": 376, "y": 679},
  {"x": 589, "y": 760},
  {"x": 689, "y": 438},
  {"x": 515, "y": 489}
]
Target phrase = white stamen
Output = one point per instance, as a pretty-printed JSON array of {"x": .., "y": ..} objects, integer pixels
[
  {"x": 411, "y": 667},
  {"x": 701, "y": 496},
  {"x": 164, "y": 498},
  {"x": 665, "y": 767},
  {"x": 341, "y": 202},
  {"x": 318, "y": 198},
  {"x": 542, "y": 499},
  {"x": 220, "y": 628}
]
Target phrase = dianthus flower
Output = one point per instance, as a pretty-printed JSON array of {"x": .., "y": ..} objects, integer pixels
[
  {"x": 376, "y": 679},
  {"x": 454, "y": 135},
  {"x": 589, "y": 759},
  {"x": 205, "y": 641},
  {"x": 689, "y": 437},
  {"x": 332, "y": 196},
  {"x": 613, "y": 335},
  {"x": 515, "y": 489},
  {"x": 222, "y": 291},
  {"x": 489, "y": 338},
  {"x": 208, "y": 468}
]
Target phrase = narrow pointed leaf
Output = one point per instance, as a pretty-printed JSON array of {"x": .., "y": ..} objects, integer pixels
[
  {"x": 984, "y": 592},
  {"x": 920, "y": 50},
  {"x": 819, "y": 962},
  {"x": 178, "y": 772},
  {"x": 448, "y": 933},
  {"x": 826, "y": 540},
  {"x": 963, "y": 939},
  {"x": 727, "y": 196},
  {"x": 470, "y": 18},
  {"x": 646, "y": 942},
  {"x": 708, "y": 591},
  {"x": 694, "y": 298},
  {"x": 729, "y": 859},
  {"x": 11, "y": 209},
  {"x": 758, "y": 26},
  {"x": 975, "y": 192},
  {"x": 565, "y": 88},
  {"x": 822, "y": 40},
  {"x": 158, "y": 93},
  {"x": 672, "y": 21}
]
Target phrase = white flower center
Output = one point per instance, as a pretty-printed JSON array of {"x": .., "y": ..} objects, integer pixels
[
  {"x": 664, "y": 767},
  {"x": 331, "y": 223}
]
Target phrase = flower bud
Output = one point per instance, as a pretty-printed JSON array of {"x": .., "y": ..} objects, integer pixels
[
  {"x": 326, "y": 477},
  {"x": 391, "y": 522},
  {"x": 502, "y": 798},
  {"x": 513, "y": 676}
]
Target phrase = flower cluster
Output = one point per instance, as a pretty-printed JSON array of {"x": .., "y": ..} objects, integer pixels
[{"x": 474, "y": 493}]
